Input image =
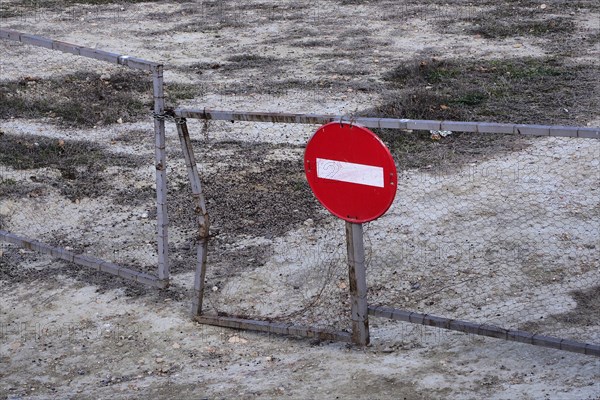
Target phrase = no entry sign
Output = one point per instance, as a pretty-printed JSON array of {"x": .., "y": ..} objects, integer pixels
[{"x": 350, "y": 171}]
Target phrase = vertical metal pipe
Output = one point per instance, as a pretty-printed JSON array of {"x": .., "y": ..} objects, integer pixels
[
  {"x": 199, "y": 277},
  {"x": 358, "y": 283},
  {"x": 161, "y": 174},
  {"x": 201, "y": 215}
]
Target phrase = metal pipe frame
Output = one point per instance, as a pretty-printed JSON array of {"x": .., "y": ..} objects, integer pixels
[{"x": 159, "y": 130}]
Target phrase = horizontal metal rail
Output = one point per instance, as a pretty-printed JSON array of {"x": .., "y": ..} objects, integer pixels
[
  {"x": 393, "y": 123},
  {"x": 131, "y": 62},
  {"x": 485, "y": 330},
  {"x": 274, "y": 328},
  {"x": 86, "y": 261}
]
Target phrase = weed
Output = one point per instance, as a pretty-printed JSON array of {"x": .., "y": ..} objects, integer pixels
[
  {"x": 32, "y": 152},
  {"x": 216, "y": 15},
  {"x": 471, "y": 98},
  {"x": 353, "y": 2},
  {"x": 267, "y": 201},
  {"x": 8, "y": 182},
  {"x": 588, "y": 306},
  {"x": 24, "y": 7},
  {"x": 584, "y": 314},
  {"x": 85, "y": 99},
  {"x": 243, "y": 61},
  {"x": 80, "y": 163},
  {"x": 12, "y": 189},
  {"x": 425, "y": 71},
  {"x": 315, "y": 43},
  {"x": 521, "y": 90},
  {"x": 180, "y": 91},
  {"x": 492, "y": 27},
  {"x": 515, "y": 18}
]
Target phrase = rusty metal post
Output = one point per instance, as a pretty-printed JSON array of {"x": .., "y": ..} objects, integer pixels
[
  {"x": 358, "y": 283},
  {"x": 161, "y": 173},
  {"x": 201, "y": 214}
]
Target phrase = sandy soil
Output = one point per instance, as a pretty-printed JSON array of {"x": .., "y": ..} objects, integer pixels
[{"x": 508, "y": 236}]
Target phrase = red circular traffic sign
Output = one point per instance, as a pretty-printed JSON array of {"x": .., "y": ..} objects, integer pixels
[{"x": 350, "y": 171}]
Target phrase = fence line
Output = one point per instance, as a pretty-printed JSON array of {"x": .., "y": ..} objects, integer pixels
[
  {"x": 161, "y": 182},
  {"x": 159, "y": 124},
  {"x": 393, "y": 123}
]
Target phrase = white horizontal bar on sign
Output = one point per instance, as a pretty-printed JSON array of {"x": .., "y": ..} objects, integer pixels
[{"x": 350, "y": 172}]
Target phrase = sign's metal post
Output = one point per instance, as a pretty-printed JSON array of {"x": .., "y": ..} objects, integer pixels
[
  {"x": 352, "y": 173},
  {"x": 358, "y": 283}
]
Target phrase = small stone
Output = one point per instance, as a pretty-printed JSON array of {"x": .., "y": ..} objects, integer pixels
[
  {"x": 105, "y": 77},
  {"x": 215, "y": 288},
  {"x": 120, "y": 121},
  {"x": 176, "y": 346},
  {"x": 237, "y": 340},
  {"x": 159, "y": 360}
]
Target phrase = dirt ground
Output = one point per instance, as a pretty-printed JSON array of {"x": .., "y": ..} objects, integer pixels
[{"x": 498, "y": 230}]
